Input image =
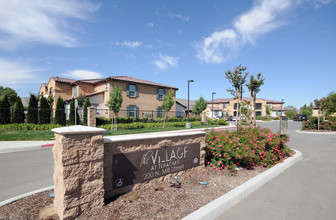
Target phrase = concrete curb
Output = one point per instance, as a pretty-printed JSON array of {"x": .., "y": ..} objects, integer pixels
[
  {"x": 8, "y": 201},
  {"x": 219, "y": 206},
  {"x": 311, "y": 132}
]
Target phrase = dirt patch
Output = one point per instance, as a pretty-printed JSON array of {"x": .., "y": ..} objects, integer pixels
[{"x": 160, "y": 201}]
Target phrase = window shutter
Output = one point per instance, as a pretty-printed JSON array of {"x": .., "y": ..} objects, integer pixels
[
  {"x": 157, "y": 93},
  {"x": 127, "y": 90},
  {"x": 136, "y": 91},
  {"x": 137, "y": 111}
]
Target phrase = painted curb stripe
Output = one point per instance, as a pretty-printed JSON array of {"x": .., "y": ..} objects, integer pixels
[{"x": 47, "y": 145}]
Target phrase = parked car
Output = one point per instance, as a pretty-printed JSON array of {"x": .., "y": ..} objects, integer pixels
[
  {"x": 228, "y": 118},
  {"x": 300, "y": 117}
]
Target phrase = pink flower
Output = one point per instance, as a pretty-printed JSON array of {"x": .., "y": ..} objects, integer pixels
[{"x": 265, "y": 164}]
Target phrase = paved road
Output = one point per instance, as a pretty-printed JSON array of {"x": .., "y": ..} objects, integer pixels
[
  {"x": 25, "y": 171},
  {"x": 305, "y": 191}
]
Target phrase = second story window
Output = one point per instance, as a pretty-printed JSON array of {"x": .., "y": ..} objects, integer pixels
[
  {"x": 160, "y": 94},
  {"x": 106, "y": 86},
  {"x": 51, "y": 92},
  {"x": 132, "y": 91},
  {"x": 224, "y": 105},
  {"x": 235, "y": 106},
  {"x": 95, "y": 89},
  {"x": 258, "y": 105},
  {"x": 74, "y": 91}
]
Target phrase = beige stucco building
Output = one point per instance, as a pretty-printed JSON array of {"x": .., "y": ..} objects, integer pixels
[
  {"x": 141, "y": 98},
  {"x": 228, "y": 106}
]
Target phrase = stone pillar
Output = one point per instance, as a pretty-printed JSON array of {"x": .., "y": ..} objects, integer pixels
[
  {"x": 91, "y": 120},
  {"x": 204, "y": 118},
  {"x": 78, "y": 170}
]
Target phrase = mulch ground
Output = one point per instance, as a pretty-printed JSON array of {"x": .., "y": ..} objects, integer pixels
[{"x": 160, "y": 201}]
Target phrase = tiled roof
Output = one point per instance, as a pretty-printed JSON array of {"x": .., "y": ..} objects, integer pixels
[
  {"x": 140, "y": 81},
  {"x": 215, "y": 108},
  {"x": 94, "y": 93},
  {"x": 117, "y": 78},
  {"x": 184, "y": 102},
  {"x": 225, "y": 100}
]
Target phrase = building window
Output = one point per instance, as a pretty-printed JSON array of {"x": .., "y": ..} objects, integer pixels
[
  {"x": 132, "y": 91},
  {"x": 132, "y": 111},
  {"x": 160, "y": 112},
  {"x": 160, "y": 94},
  {"x": 224, "y": 105},
  {"x": 74, "y": 91},
  {"x": 235, "y": 106},
  {"x": 106, "y": 86},
  {"x": 95, "y": 89},
  {"x": 258, "y": 105},
  {"x": 51, "y": 92},
  {"x": 258, "y": 113}
]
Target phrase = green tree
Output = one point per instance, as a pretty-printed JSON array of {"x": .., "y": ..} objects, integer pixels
[
  {"x": 331, "y": 103},
  {"x": 254, "y": 88},
  {"x": 167, "y": 104},
  {"x": 86, "y": 105},
  {"x": 237, "y": 78},
  {"x": 11, "y": 94},
  {"x": 268, "y": 110},
  {"x": 5, "y": 116},
  {"x": 114, "y": 105},
  {"x": 72, "y": 113},
  {"x": 44, "y": 111},
  {"x": 51, "y": 100},
  {"x": 32, "y": 116},
  {"x": 60, "y": 117},
  {"x": 318, "y": 105},
  {"x": 200, "y": 105},
  {"x": 18, "y": 116},
  {"x": 307, "y": 110},
  {"x": 290, "y": 111}
]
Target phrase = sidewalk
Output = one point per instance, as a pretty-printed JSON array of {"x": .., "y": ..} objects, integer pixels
[{"x": 14, "y": 146}]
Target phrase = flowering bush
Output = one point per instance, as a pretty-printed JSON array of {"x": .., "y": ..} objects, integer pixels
[
  {"x": 311, "y": 124},
  {"x": 247, "y": 148}
]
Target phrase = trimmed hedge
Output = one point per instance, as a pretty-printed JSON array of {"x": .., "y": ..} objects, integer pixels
[
  {"x": 29, "y": 126},
  {"x": 311, "y": 124},
  {"x": 137, "y": 125}
]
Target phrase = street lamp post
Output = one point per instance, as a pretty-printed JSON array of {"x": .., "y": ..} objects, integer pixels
[
  {"x": 213, "y": 93},
  {"x": 188, "y": 124}
]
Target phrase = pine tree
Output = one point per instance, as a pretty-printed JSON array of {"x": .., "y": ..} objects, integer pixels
[
  {"x": 1, "y": 113},
  {"x": 33, "y": 109},
  {"x": 44, "y": 112},
  {"x": 86, "y": 105},
  {"x": 60, "y": 117},
  {"x": 72, "y": 113},
  {"x": 5, "y": 115},
  {"x": 19, "y": 115}
]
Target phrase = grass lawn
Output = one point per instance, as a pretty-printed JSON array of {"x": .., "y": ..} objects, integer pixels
[{"x": 19, "y": 135}]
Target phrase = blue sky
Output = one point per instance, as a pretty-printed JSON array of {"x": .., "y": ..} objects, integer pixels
[{"x": 292, "y": 43}]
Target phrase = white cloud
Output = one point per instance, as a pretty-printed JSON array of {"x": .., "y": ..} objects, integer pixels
[
  {"x": 150, "y": 24},
  {"x": 164, "y": 62},
  {"x": 263, "y": 17},
  {"x": 83, "y": 74},
  {"x": 12, "y": 73},
  {"x": 181, "y": 17},
  {"x": 130, "y": 44},
  {"x": 39, "y": 21},
  {"x": 320, "y": 3}
]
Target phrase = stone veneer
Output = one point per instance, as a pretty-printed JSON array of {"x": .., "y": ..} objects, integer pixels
[
  {"x": 83, "y": 161},
  {"x": 78, "y": 170},
  {"x": 91, "y": 116}
]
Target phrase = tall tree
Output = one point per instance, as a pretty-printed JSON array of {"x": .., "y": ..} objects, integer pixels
[
  {"x": 237, "y": 78},
  {"x": 167, "y": 104},
  {"x": 73, "y": 113},
  {"x": 200, "y": 106},
  {"x": 5, "y": 116},
  {"x": 44, "y": 111},
  {"x": 11, "y": 94},
  {"x": 32, "y": 116},
  {"x": 254, "y": 88},
  {"x": 331, "y": 103},
  {"x": 60, "y": 117},
  {"x": 19, "y": 115},
  {"x": 86, "y": 105},
  {"x": 51, "y": 100},
  {"x": 114, "y": 105},
  {"x": 318, "y": 105},
  {"x": 290, "y": 111}
]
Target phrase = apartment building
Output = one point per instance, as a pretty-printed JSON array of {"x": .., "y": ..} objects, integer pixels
[
  {"x": 229, "y": 106},
  {"x": 141, "y": 98}
]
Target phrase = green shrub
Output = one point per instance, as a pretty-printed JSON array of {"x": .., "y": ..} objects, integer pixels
[
  {"x": 221, "y": 121},
  {"x": 18, "y": 116},
  {"x": 250, "y": 147},
  {"x": 5, "y": 114},
  {"x": 32, "y": 116},
  {"x": 86, "y": 105},
  {"x": 311, "y": 124},
  {"x": 29, "y": 126},
  {"x": 44, "y": 112},
  {"x": 60, "y": 117}
]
